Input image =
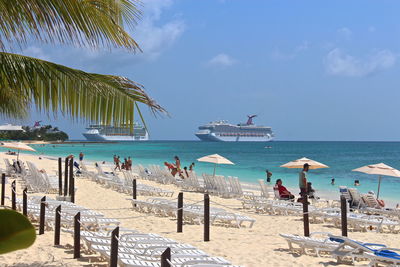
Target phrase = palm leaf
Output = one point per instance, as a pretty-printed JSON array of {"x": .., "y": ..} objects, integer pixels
[
  {"x": 89, "y": 23},
  {"x": 53, "y": 87}
]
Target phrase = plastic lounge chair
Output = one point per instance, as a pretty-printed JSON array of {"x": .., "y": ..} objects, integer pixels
[
  {"x": 318, "y": 245},
  {"x": 357, "y": 249},
  {"x": 357, "y": 201}
]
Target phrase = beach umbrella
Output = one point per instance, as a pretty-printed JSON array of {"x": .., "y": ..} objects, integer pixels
[
  {"x": 380, "y": 169},
  {"x": 216, "y": 159},
  {"x": 299, "y": 163},
  {"x": 17, "y": 146}
]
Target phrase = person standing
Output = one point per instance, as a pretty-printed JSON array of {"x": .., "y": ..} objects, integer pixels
[
  {"x": 303, "y": 180},
  {"x": 185, "y": 170},
  {"x": 178, "y": 164},
  {"x": 129, "y": 163},
  {"x": 117, "y": 164},
  {"x": 81, "y": 156},
  {"x": 191, "y": 167},
  {"x": 269, "y": 175}
]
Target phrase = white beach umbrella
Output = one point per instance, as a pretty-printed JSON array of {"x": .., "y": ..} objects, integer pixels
[
  {"x": 17, "y": 146},
  {"x": 299, "y": 163},
  {"x": 216, "y": 159},
  {"x": 379, "y": 169}
]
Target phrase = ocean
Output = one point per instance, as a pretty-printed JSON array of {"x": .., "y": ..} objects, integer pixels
[{"x": 252, "y": 159}]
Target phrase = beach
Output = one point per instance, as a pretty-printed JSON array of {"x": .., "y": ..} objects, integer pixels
[
  {"x": 260, "y": 245},
  {"x": 253, "y": 159}
]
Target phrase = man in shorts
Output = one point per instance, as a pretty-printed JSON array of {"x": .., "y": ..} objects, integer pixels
[{"x": 303, "y": 180}]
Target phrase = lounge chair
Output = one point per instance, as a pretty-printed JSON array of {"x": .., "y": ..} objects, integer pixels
[
  {"x": 356, "y": 199},
  {"x": 314, "y": 243},
  {"x": 360, "y": 250}
]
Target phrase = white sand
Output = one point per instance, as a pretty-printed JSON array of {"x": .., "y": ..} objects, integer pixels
[{"x": 258, "y": 246}]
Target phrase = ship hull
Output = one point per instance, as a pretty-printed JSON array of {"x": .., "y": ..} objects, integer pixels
[
  {"x": 128, "y": 138},
  {"x": 215, "y": 138}
]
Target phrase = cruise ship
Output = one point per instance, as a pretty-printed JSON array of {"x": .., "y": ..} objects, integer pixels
[
  {"x": 242, "y": 132},
  {"x": 112, "y": 133}
]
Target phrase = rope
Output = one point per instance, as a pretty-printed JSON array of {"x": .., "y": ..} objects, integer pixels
[
  {"x": 170, "y": 263},
  {"x": 128, "y": 249},
  {"x": 113, "y": 209},
  {"x": 83, "y": 226}
]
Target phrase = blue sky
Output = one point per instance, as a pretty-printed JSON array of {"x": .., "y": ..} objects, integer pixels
[{"x": 313, "y": 70}]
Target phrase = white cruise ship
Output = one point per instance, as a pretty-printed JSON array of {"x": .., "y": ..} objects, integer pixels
[
  {"x": 111, "y": 133},
  {"x": 242, "y": 132}
]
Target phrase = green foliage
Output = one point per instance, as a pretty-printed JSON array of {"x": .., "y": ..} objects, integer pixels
[
  {"x": 44, "y": 133},
  {"x": 58, "y": 89},
  {"x": 16, "y": 232}
]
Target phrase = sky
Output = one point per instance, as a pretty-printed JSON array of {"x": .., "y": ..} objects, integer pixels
[{"x": 312, "y": 70}]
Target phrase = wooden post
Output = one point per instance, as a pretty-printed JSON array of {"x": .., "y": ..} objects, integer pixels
[
  {"x": 343, "y": 211},
  {"x": 60, "y": 177},
  {"x": 13, "y": 197},
  {"x": 57, "y": 226},
  {"x": 166, "y": 256},
  {"x": 114, "y": 248},
  {"x": 71, "y": 180},
  {"x": 134, "y": 190},
  {"x": 180, "y": 213},
  {"x": 3, "y": 188},
  {"x": 25, "y": 202},
  {"x": 305, "y": 216},
  {"x": 66, "y": 177},
  {"x": 42, "y": 215},
  {"x": 77, "y": 236},
  {"x": 206, "y": 218}
]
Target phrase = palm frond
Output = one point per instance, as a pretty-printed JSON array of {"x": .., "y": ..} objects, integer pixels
[
  {"x": 52, "y": 87},
  {"x": 88, "y": 23}
]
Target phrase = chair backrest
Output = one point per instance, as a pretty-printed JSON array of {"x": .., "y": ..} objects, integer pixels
[
  {"x": 370, "y": 201},
  {"x": 224, "y": 186},
  {"x": 83, "y": 166},
  {"x": 263, "y": 188},
  {"x": 356, "y": 198},
  {"x": 238, "y": 186},
  {"x": 276, "y": 193},
  {"x": 232, "y": 186},
  {"x": 344, "y": 191},
  {"x": 353, "y": 243}
]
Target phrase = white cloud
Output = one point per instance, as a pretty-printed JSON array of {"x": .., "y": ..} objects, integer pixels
[
  {"x": 154, "y": 38},
  {"x": 340, "y": 63},
  {"x": 345, "y": 32},
  {"x": 222, "y": 60},
  {"x": 302, "y": 47},
  {"x": 279, "y": 55},
  {"x": 37, "y": 52}
]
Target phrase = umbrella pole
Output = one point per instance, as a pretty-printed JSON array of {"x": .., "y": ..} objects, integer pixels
[
  {"x": 215, "y": 166},
  {"x": 379, "y": 186},
  {"x": 18, "y": 155}
]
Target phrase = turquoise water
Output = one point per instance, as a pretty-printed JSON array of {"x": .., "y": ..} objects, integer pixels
[{"x": 251, "y": 160}]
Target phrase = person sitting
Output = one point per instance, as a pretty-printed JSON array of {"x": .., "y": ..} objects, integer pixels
[
  {"x": 283, "y": 192},
  {"x": 310, "y": 190},
  {"x": 76, "y": 165},
  {"x": 172, "y": 168}
]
